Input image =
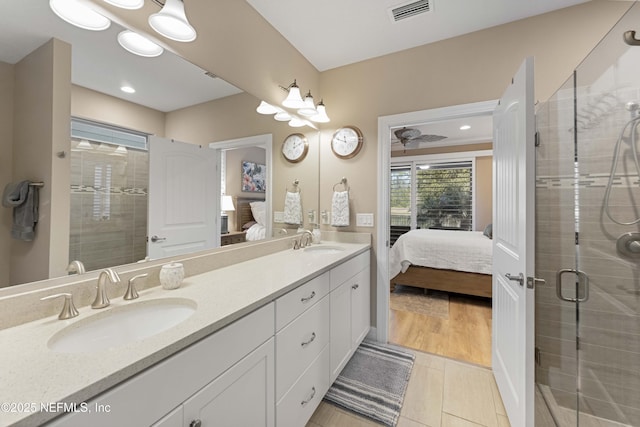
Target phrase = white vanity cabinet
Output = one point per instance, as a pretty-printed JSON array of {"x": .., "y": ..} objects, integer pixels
[
  {"x": 302, "y": 350},
  {"x": 203, "y": 378},
  {"x": 350, "y": 310}
]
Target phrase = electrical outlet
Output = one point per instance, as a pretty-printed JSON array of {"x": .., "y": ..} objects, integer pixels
[
  {"x": 278, "y": 217},
  {"x": 364, "y": 220}
]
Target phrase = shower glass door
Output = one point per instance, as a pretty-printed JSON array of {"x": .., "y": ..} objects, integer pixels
[{"x": 588, "y": 240}]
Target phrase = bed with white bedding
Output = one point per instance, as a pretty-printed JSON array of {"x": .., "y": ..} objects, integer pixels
[{"x": 447, "y": 260}]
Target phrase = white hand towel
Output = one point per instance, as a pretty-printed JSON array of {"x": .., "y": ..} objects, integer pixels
[
  {"x": 292, "y": 208},
  {"x": 340, "y": 209}
]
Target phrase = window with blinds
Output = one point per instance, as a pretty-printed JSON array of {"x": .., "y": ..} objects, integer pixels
[{"x": 426, "y": 194}]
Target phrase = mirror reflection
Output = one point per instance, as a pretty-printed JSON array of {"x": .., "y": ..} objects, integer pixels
[{"x": 94, "y": 206}]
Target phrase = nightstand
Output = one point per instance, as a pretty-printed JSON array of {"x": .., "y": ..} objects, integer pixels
[{"x": 232, "y": 237}]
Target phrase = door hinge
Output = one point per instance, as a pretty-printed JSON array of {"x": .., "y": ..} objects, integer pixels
[
  {"x": 537, "y": 356},
  {"x": 537, "y": 139},
  {"x": 531, "y": 282}
]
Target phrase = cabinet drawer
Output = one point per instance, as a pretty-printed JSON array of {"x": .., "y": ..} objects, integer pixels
[
  {"x": 348, "y": 269},
  {"x": 291, "y": 305},
  {"x": 298, "y": 344},
  {"x": 297, "y": 406}
]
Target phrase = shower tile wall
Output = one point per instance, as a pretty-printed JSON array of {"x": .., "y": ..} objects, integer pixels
[
  {"x": 606, "y": 369},
  {"x": 108, "y": 206}
]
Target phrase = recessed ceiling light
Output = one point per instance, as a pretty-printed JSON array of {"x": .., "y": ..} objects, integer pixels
[
  {"x": 128, "y": 89},
  {"x": 465, "y": 127},
  {"x": 79, "y": 14},
  {"x": 127, "y": 4},
  {"x": 139, "y": 45}
]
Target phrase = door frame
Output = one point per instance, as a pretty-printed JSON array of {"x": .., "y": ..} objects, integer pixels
[
  {"x": 263, "y": 141},
  {"x": 385, "y": 124}
]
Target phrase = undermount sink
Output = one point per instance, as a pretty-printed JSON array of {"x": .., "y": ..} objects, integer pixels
[
  {"x": 122, "y": 325},
  {"x": 323, "y": 250}
]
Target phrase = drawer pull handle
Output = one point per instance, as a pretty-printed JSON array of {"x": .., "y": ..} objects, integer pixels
[
  {"x": 313, "y": 337},
  {"x": 313, "y": 294},
  {"x": 356, "y": 286},
  {"x": 313, "y": 393}
]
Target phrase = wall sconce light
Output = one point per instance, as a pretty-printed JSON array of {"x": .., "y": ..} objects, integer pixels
[
  {"x": 266, "y": 108},
  {"x": 172, "y": 22},
  {"x": 309, "y": 108},
  {"x": 79, "y": 14},
  {"x": 139, "y": 45},
  {"x": 126, "y": 4},
  {"x": 321, "y": 116},
  {"x": 293, "y": 99}
]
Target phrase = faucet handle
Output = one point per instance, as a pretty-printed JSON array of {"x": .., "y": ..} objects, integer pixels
[
  {"x": 68, "y": 309},
  {"x": 131, "y": 289}
]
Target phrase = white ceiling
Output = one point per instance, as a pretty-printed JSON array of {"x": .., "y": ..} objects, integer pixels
[{"x": 333, "y": 33}]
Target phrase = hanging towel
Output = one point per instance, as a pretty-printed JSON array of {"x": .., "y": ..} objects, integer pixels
[
  {"x": 292, "y": 208},
  {"x": 340, "y": 209},
  {"x": 23, "y": 198}
]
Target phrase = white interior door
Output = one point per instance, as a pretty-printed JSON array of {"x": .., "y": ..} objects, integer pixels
[
  {"x": 182, "y": 191},
  {"x": 513, "y": 246}
]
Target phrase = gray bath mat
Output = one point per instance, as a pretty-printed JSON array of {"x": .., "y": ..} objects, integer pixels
[{"x": 373, "y": 383}]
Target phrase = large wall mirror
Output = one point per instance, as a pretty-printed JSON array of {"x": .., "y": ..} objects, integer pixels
[{"x": 174, "y": 100}]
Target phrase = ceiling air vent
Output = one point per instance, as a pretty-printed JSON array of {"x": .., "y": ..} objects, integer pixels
[{"x": 410, "y": 9}]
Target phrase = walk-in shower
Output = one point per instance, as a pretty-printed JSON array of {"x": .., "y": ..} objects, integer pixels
[{"x": 588, "y": 240}]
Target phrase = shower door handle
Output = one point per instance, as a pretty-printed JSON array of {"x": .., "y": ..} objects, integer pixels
[{"x": 582, "y": 279}]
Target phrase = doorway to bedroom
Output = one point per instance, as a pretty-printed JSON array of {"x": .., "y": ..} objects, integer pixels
[{"x": 440, "y": 202}]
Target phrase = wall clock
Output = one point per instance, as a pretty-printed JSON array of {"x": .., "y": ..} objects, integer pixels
[
  {"x": 295, "y": 147},
  {"x": 346, "y": 142}
]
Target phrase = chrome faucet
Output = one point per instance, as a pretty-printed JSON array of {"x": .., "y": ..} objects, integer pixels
[
  {"x": 102, "y": 300},
  {"x": 76, "y": 267},
  {"x": 306, "y": 239}
]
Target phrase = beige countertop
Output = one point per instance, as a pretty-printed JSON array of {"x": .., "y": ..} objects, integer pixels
[{"x": 32, "y": 374}]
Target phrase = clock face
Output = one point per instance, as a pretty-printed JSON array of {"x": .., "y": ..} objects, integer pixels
[
  {"x": 295, "y": 147},
  {"x": 346, "y": 142}
]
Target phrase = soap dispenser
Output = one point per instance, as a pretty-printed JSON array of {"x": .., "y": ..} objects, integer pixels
[{"x": 316, "y": 234}]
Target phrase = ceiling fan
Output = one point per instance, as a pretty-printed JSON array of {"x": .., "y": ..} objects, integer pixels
[{"x": 408, "y": 137}]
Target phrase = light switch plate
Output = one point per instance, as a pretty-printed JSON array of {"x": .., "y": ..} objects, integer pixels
[
  {"x": 278, "y": 217},
  {"x": 364, "y": 220}
]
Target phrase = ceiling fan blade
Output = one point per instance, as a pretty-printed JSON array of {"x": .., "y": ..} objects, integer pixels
[
  {"x": 406, "y": 133},
  {"x": 429, "y": 138}
]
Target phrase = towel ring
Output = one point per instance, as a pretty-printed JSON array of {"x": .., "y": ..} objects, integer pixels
[
  {"x": 295, "y": 188},
  {"x": 342, "y": 182}
]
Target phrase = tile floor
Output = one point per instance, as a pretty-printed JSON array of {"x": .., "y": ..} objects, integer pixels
[{"x": 441, "y": 393}]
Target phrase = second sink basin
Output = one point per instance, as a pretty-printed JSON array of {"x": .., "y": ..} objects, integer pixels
[
  {"x": 122, "y": 325},
  {"x": 323, "y": 249}
]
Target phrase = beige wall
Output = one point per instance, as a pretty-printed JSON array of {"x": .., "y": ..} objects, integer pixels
[
  {"x": 92, "y": 105},
  {"x": 41, "y": 130},
  {"x": 6, "y": 167}
]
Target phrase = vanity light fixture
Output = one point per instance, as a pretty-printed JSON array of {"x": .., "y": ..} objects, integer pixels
[
  {"x": 128, "y": 89},
  {"x": 172, "y": 22},
  {"x": 138, "y": 44},
  {"x": 266, "y": 108},
  {"x": 293, "y": 99},
  {"x": 126, "y": 4},
  {"x": 309, "y": 108},
  {"x": 321, "y": 116},
  {"x": 465, "y": 127},
  {"x": 297, "y": 122},
  {"x": 79, "y": 14},
  {"x": 282, "y": 116}
]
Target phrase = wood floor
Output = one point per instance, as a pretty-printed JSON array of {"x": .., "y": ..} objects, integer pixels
[{"x": 465, "y": 335}]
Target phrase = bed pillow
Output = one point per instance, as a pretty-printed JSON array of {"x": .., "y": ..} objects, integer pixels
[
  {"x": 488, "y": 231},
  {"x": 248, "y": 225},
  {"x": 258, "y": 211}
]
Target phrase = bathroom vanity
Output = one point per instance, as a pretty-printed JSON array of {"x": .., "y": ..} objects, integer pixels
[{"x": 265, "y": 341}]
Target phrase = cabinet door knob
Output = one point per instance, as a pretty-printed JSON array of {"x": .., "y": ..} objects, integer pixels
[
  {"x": 306, "y": 343},
  {"x": 313, "y": 393},
  {"x": 195, "y": 423},
  {"x": 356, "y": 286}
]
